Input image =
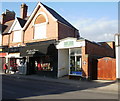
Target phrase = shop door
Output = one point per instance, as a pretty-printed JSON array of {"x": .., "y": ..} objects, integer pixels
[
  {"x": 31, "y": 65},
  {"x": 75, "y": 65}
]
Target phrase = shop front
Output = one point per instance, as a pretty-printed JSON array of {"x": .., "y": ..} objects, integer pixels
[
  {"x": 2, "y": 61},
  {"x": 14, "y": 60},
  {"x": 70, "y": 50},
  {"x": 75, "y": 61},
  {"x": 3, "y": 54},
  {"x": 41, "y": 59}
]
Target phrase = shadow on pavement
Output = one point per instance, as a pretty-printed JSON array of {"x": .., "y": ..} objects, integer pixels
[{"x": 14, "y": 88}]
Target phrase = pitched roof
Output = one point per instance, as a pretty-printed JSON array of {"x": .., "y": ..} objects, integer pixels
[
  {"x": 2, "y": 27},
  {"x": 57, "y": 16},
  {"x": 51, "y": 12},
  {"x": 21, "y": 21},
  {"x": 7, "y": 26}
]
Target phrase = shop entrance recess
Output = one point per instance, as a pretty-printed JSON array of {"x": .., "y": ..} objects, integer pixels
[{"x": 75, "y": 62}]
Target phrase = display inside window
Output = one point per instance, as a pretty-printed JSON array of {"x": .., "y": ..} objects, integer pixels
[
  {"x": 13, "y": 65},
  {"x": 44, "y": 64}
]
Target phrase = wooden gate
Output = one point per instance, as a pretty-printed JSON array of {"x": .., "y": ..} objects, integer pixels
[{"x": 106, "y": 69}]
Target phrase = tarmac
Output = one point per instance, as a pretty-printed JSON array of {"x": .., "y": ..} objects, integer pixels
[{"x": 99, "y": 85}]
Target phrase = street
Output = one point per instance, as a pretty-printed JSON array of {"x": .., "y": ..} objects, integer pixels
[{"x": 17, "y": 88}]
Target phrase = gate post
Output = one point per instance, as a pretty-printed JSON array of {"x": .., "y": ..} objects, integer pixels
[{"x": 117, "y": 45}]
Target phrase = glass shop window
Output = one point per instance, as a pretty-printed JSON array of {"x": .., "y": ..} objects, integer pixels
[
  {"x": 44, "y": 64},
  {"x": 75, "y": 51}
]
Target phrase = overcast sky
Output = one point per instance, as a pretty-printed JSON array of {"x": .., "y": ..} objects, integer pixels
[{"x": 96, "y": 21}]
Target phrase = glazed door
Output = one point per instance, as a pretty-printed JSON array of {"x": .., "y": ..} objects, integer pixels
[{"x": 75, "y": 65}]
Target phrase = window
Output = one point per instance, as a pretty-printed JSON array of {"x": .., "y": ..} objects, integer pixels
[
  {"x": 75, "y": 61},
  {"x": 75, "y": 51},
  {"x": 17, "y": 36},
  {"x": 40, "y": 27},
  {"x": 40, "y": 19},
  {"x": 40, "y": 31},
  {"x": 44, "y": 63}
]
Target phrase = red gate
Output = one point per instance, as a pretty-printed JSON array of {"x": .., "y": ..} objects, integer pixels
[{"x": 106, "y": 69}]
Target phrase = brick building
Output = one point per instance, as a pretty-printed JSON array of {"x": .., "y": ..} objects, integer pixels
[
  {"x": 46, "y": 44},
  {"x": 79, "y": 56}
]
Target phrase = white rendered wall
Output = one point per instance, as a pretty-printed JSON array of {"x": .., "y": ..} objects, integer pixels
[
  {"x": 63, "y": 62},
  {"x": 118, "y": 62},
  {"x": 0, "y": 39},
  {"x": 117, "y": 44}
]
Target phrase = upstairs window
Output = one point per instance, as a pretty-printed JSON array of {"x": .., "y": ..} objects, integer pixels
[
  {"x": 40, "y": 26},
  {"x": 17, "y": 36}
]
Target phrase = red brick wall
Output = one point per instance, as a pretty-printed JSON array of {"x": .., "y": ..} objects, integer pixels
[
  {"x": 51, "y": 29},
  {"x": 89, "y": 57},
  {"x": 92, "y": 52},
  {"x": 11, "y": 37},
  {"x": 5, "y": 39},
  {"x": 65, "y": 31},
  {"x": 97, "y": 50}
]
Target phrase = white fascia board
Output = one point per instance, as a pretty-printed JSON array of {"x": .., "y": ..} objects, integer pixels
[
  {"x": 13, "y": 25},
  {"x": 48, "y": 12},
  {"x": 31, "y": 16},
  {"x": 75, "y": 43}
]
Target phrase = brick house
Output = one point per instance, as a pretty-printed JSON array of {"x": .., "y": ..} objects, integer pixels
[
  {"x": 79, "y": 56},
  {"x": 46, "y": 44},
  {"x": 43, "y": 26},
  {"x": 7, "y": 19}
]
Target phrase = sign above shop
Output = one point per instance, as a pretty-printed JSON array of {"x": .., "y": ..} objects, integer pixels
[
  {"x": 3, "y": 49},
  {"x": 14, "y": 49},
  {"x": 3, "y": 54},
  {"x": 70, "y": 43},
  {"x": 32, "y": 51}
]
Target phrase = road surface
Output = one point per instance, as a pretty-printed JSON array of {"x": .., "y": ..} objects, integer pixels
[{"x": 17, "y": 88}]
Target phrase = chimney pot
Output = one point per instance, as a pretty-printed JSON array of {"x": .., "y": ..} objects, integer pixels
[{"x": 23, "y": 11}]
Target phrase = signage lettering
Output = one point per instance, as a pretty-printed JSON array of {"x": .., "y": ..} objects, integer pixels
[
  {"x": 14, "y": 49},
  {"x": 68, "y": 44},
  {"x": 32, "y": 51}
]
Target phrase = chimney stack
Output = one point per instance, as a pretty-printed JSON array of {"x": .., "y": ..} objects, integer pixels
[
  {"x": 23, "y": 11},
  {"x": 7, "y": 16}
]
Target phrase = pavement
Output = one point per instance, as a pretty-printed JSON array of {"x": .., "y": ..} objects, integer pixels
[{"x": 99, "y": 85}]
